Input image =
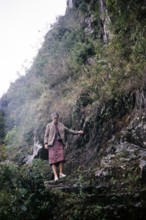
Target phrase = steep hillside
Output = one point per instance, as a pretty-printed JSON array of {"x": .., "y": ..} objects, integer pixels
[
  {"x": 92, "y": 52},
  {"x": 91, "y": 68}
]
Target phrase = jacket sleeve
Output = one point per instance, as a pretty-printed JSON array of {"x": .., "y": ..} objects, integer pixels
[
  {"x": 70, "y": 130},
  {"x": 46, "y": 135}
]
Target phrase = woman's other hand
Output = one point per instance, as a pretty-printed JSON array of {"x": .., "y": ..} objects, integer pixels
[{"x": 80, "y": 132}]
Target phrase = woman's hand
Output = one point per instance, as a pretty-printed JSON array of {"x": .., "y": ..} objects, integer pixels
[
  {"x": 46, "y": 146},
  {"x": 80, "y": 132}
]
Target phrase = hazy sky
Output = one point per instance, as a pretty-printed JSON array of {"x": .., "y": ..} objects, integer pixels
[{"x": 23, "y": 23}]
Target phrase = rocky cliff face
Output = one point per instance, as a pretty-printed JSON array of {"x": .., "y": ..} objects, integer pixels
[{"x": 70, "y": 4}]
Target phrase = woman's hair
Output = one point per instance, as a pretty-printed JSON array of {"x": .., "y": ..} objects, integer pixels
[{"x": 55, "y": 114}]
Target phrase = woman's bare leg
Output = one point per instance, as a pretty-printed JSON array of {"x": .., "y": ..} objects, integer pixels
[
  {"x": 60, "y": 168},
  {"x": 54, "y": 168}
]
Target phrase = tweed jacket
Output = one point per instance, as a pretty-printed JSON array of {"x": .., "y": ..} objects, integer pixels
[{"x": 51, "y": 131}]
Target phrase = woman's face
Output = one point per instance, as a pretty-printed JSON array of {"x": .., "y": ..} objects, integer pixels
[{"x": 55, "y": 119}]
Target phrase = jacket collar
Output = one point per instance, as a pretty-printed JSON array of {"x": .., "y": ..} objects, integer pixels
[{"x": 58, "y": 125}]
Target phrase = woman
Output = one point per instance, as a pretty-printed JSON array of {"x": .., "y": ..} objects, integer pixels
[{"x": 54, "y": 140}]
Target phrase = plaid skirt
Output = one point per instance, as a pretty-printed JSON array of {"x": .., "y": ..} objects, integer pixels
[{"x": 56, "y": 153}]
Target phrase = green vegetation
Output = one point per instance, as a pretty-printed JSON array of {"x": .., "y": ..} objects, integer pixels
[
  {"x": 25, "y": 196},
  {"x": 127, "y": 49},
  {"x": 2, "y": 127},
  {"x": 26, "y": 192},
  {"x": 22, "y": 196}
]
